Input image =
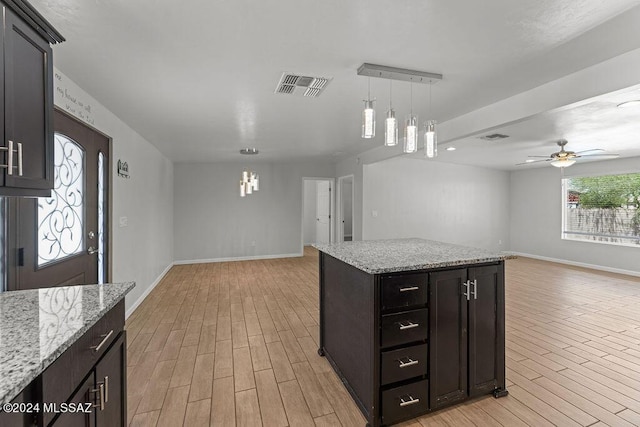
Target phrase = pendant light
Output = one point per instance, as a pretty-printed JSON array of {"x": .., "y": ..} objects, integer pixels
[
  {"x": 411, "y": 129},
  {"x": 368, "y": 116},
  {"x": 390, "y": 125},
  {"x": 250, "y": 181},
  {"x": 430, "y": 137}
]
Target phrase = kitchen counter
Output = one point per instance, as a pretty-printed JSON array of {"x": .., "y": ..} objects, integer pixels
[
  {"x": 37, "y": 326},
  {"x": 390, "y": 256}
]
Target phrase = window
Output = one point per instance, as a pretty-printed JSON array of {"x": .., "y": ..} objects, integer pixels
[{"x": 604, "y": 209}]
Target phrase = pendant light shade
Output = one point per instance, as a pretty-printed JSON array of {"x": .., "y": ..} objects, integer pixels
[
  {"x": 391, "y": 129},
  {"x": 411, "y": 134},
  {"x": 368, "y": 120},
  {"x": 243, "y": 190},
  {"x": 430, "y": 140},
  {"x": 249, "y": 183}
]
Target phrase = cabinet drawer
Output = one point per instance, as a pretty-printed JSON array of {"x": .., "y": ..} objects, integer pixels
[
  {"x": 404, "y": 290},
  {"x": 407, "y": 401},
  {"x": 403, "y": 328},
  {"x": 404, "y": 363}
]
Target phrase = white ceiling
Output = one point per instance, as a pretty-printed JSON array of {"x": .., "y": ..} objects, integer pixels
[{"x": 197, "y": 78}]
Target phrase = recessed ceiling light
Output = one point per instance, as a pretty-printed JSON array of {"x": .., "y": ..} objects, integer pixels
[
  {"x": 632, "y": 103},
  {"x": 249, "y": 151},
  {"x": 451, "y": 148}
]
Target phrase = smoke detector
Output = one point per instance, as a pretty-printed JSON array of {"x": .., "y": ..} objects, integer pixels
[{"x": 299, "y": 85}]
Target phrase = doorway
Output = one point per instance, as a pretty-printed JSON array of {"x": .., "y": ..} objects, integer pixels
[
  {"x": 63, "y": 239},
  {"x": 344, "y": 204},
  {"x": 317, "y": 211}
]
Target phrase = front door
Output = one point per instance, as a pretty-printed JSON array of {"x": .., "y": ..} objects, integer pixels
[{"x": 61, "y": 240}]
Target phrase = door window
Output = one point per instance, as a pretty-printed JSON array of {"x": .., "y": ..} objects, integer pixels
[{"x": 61, "y": 216}]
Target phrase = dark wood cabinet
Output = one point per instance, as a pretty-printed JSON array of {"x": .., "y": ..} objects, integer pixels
[
  {"x": 86, "y": 393},
  {"x": 110, "y": 372},
  {"x": 408, "y": 343},
  {"x": 26, "y": 152}
]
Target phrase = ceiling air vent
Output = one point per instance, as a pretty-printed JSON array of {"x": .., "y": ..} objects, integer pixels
[
  {"x": 494, "y": 137},
  {"x": 294, "y": 84}
]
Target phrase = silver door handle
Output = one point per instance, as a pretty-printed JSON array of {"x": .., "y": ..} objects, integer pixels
[
  {"x": 410, "y": 288},
  {"x": 105, "y": 338},
  {"x": 91, "y": 250},
  {"x": 466, "y": 292},
  {"x": 474, "y": 292},
  {"x": 19, "y": 159},
  {"x": 106, "y": 389},
  {"x": 410, "y": 362},
  {"x": 411, "y": 401},
  {"x": 410, "y": 325}
]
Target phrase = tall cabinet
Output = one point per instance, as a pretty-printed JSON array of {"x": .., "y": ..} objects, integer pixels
[{"x": 26, "y": 107}]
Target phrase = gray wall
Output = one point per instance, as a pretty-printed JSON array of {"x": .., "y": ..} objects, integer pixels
[
  {"x": 439, "y": 201},
  {"x": 347, "y": 198},
  {"x": 536, "y": 217},
  {"x": 213, "y": 222},
  {"x": 309, "y": 212},
  {"x": 353, "y": 166}
]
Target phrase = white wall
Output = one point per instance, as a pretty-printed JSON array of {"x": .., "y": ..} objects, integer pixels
[
  {"x": 309, "y": 212},
  {"x": 353, "y": 166},
  {"x": 213, "y": 222},
  {"x": 143, "y": 250},
  {"x": 438, "y": 201},
  {"x": 536, "y": 217}
]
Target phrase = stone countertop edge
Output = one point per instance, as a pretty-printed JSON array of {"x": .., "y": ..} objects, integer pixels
[
  {"x": 29, "y": 373},
  {"x": 352, "y": 253}
]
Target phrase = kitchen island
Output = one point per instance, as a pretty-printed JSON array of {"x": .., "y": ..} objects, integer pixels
[
  {"x": 59, "y": 346},
  {"x": 412, "y": 325}
]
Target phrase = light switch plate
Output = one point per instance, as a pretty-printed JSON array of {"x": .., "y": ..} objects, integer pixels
[{"x": 124, "y": 221}]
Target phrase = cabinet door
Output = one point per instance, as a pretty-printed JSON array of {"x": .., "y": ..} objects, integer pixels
[
  {"x": 110, "y": 371},
  {"x": 447, "y": 338},
  {"x": 486, "y": 333},
  {"x": 28, "y": 104},
  {"x": 85, "y": 394}
]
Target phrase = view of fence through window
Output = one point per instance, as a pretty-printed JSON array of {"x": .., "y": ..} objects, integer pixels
[{"x": 603, "y": 209}]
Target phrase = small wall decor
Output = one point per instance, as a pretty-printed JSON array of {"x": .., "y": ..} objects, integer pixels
[{"x": 123, "y": 169}]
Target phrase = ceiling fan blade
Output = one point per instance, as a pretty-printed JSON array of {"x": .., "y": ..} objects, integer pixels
[
  {"x": 535, "y": 161},
  {"x": 541, "y": 157},
  {"x": 589, "y": 151},
  {"x": 601, "y": 156}
]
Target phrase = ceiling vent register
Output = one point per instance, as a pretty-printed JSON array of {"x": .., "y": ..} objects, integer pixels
[
  {"x": 294, "y": 84},
  {"x": 494, "y": 137}
]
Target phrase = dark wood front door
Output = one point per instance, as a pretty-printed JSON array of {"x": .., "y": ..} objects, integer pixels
[{"x": 58, "y": 240}]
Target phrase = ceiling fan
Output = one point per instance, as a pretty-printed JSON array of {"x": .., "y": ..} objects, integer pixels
[{"x": 564, "y": 158}]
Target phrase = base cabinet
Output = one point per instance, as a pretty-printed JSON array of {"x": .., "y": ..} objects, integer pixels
[{"x": 422, "y": 340}]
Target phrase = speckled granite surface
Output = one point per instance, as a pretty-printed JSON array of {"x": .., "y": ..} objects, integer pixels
[
  {"x": 389, "y": 256},
  {"x": 37, "y": 326}
]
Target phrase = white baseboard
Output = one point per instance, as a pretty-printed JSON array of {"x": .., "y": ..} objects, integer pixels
[
  {"x": 579, "y": 264},
  {"x": 135, "y": 305},
  {"x": 241, "y": 258}
]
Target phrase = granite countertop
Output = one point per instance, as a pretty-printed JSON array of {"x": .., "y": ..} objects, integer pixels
[
  {"x": 389, "y": 256},
  {"x": 38, "y": 325}
]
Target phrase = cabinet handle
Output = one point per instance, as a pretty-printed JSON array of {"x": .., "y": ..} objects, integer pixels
[
  {"x": 411, "y": 401},
  {"x": 411, "y": 288},
  {"x": 19, "y": 159},
  {"x": 100, "y": 391},
  {"x": 474, "y": 292},
  {"x": 410, "y": 325},
  {"x": 106, "y": 389},
  {"x": 9, "y": 150},
  {"x": 105, "y": 338},
  {"x": 409, "y": 362},
  {"x": 466, "y": 292}
]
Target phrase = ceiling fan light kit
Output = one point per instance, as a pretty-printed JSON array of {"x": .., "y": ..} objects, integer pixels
[{"x": 391, "y": 124}]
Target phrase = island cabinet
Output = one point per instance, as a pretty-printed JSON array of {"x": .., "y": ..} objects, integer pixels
[
  {"x": 26, "y": 101},
  {"x": 407, "y": 342}
]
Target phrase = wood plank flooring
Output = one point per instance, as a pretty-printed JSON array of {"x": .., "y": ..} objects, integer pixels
[{"x": 235, "y": 344}]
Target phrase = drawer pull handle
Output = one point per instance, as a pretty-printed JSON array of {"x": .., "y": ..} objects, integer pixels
[
  {"x": 105, "y": 338},
  {"x": 409, "y": 362},
  {"x": 411, "y": 401},
  {"x": 410, "y": 288},
  {"x": 409, "y": 325},
  {"x": 106, "y": 389},
  {"x": 100, "y": 391}
]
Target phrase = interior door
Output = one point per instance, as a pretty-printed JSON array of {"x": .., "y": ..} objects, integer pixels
[
  {"x": 61, "y": 240},
  {"x": 323, "y": 212}
]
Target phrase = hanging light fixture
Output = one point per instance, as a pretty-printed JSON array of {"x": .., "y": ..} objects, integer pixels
[
  {"x": 411, "y": 129},
  {"x": 368, "y": 116},
  {"x": 390, "y": 125},
  {"x": 430, "y": 137},
  {"x": 250, "y": 181}
]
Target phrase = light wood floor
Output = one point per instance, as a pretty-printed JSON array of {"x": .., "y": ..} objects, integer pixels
[{"x": 236, "y": 343}]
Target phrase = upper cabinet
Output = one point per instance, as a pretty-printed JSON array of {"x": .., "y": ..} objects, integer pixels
[{"x": 26, "y": 110}]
